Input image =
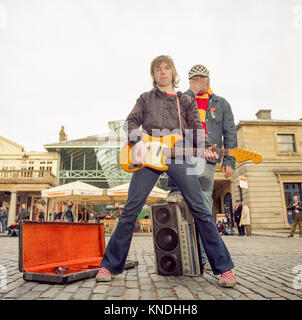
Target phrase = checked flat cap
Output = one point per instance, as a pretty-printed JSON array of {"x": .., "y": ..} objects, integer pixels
[{"x": 198, "y": 70}]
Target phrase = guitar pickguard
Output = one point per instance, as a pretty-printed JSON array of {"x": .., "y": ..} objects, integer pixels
[{"x": 155, "y": 153}]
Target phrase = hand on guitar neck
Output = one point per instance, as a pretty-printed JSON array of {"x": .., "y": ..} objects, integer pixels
[{"x": 210, "y": 153}]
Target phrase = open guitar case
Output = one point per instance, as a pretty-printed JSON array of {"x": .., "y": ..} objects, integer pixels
[{"x": 61, "y": 252}]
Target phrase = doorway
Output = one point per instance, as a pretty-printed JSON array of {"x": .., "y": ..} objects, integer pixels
[{"x": 290, "y": 189}]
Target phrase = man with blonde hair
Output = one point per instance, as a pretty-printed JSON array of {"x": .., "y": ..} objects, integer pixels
[{"x": 158, "y": 109}]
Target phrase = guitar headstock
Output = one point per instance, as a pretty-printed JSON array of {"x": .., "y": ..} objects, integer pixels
[{"x": 243, "y": 155}]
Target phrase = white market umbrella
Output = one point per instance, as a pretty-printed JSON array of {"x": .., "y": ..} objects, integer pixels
[
  {"x": 78, "y": 191},
  {"x": 120, "y": 194}
]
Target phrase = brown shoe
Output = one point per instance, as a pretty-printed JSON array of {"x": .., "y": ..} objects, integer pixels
[
  {"x": 175, "y": 198},
  {"x": 207, "y": 266}
]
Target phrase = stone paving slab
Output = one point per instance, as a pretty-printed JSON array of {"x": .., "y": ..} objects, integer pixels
[{"x": 263, "y": 267}]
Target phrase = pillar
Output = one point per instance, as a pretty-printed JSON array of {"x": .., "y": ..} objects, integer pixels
[{"x": 12, "y": 208}]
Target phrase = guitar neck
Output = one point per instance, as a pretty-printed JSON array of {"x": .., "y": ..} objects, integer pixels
[{"x": 194, "y": 152}]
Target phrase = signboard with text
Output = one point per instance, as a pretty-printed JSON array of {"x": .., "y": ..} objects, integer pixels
[{"x": 243, "y": 182}]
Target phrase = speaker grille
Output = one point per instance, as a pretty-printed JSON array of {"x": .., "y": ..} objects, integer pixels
[
  {"x": 167, "y": 239},
  {"x": 168, "y": 263},
  {"x": 162, "y": 216}
]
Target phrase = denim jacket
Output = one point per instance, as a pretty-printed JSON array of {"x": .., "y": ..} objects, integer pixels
[{"x": 220, "y": 125}]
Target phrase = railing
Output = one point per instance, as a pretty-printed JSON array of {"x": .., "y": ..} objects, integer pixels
[{"x": 28, "y": 176}]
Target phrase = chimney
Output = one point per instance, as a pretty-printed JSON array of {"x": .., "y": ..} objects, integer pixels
[
  {"x": 264, "y": 114},
  {"x": 62, "y": 134}
]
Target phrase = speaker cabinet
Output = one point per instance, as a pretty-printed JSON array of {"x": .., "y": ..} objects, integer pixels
[{"x": 175, "y": 242}]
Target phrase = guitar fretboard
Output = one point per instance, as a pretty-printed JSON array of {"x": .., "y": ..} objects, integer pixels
[{"x": 193, "y": 152}]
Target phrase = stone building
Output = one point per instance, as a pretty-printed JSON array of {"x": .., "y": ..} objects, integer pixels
[
  {"x": 273, "y": 182},
  {"x": 23, "y": 175}
]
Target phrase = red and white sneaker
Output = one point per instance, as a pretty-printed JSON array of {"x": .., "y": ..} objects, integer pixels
[
  {"x": 227, "y": 279},
  {"x": 103, "y": 275}
]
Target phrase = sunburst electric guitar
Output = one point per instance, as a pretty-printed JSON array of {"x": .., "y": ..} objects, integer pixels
[{"x": 159, "y": 149}]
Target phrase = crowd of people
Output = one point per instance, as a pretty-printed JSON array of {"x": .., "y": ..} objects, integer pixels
[{"x": 241, "y": 217}]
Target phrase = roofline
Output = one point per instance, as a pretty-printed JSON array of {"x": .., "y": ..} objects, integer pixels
[
  {"x": 269, "y": 123},
  {"x": 12, "y": 142},
  {"x": 61, "y": 146}
]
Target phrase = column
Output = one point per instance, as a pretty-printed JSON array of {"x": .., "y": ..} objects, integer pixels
[
  {"x": 58, "y": 167},
  {"x": 12, "y": 208}
]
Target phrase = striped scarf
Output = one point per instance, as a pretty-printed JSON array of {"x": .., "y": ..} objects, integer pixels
[{"x": 202, "y": 104}]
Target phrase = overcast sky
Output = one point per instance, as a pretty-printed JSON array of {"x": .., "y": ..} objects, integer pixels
[{"x": 82, "y": 63}]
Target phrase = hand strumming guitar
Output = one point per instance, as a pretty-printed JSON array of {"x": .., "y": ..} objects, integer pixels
[{"x": 139, "y": 154}]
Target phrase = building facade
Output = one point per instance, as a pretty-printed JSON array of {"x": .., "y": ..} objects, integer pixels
[
  {"x": 23, "y": 175},
  {"x": 273, "y": 182}
]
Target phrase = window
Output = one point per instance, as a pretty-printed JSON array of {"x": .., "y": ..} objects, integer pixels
[{"x": 286, "y": 143}]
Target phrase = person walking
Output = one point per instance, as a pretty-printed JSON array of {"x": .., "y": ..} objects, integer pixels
[
  {"x": 69, "y": 213},
  {"x": 245, "y": 220},
  {"x": 39, "y": 211},
  {"x": 159, "y": 110},
  {"x": 218, "y": 123},
  {"x": 237, "y": 217},
  {"x": 296, "y": 208},
  {"x": 23, "y": 214},
  {"x": 3, "y": 218}
]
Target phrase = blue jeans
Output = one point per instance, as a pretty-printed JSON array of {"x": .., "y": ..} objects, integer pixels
[
  {"x": 3, "y": 223},
  {"x": 142, "y": 182},
  {"x": 206, "y": 173}
]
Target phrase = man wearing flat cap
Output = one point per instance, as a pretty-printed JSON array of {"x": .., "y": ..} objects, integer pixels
[{"x": 218, "y": 122}]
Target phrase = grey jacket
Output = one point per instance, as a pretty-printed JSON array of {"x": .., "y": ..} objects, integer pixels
[
  {"x": 3, "y": 214},
  {"x": 221, "y": 126},
  {"x": 154, "y": 110},
  {"x": 64, "y": 215}
]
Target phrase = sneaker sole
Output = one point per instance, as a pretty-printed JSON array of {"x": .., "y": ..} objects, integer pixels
[
  {"x": 103, "y": 279},
  {"x": 227, "y": 284}
]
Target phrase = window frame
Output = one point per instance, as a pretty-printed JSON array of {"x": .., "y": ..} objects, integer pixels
[{"x": 286, "y": 153}]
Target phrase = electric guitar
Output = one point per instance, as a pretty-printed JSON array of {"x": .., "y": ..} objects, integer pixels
[{"x": 159, "y": 149}]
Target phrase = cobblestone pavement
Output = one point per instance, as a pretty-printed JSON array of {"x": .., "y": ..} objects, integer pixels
[{"x": 263, "y": 267}]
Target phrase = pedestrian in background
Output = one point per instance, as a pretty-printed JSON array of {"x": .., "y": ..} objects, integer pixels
[
  {"x": 296, "y": 208},
  {"x": 23, "y": 214},
  {"x": 245, "y": 220},
  {"x": 237, "y": 217},
  {"x": 39, "y": 212},
  {"x": 3, "y": 218},
  {"x": 69, "y": 213}
]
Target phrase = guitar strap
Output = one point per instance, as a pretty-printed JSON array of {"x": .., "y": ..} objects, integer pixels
[{"x": 179, "y": 116}]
